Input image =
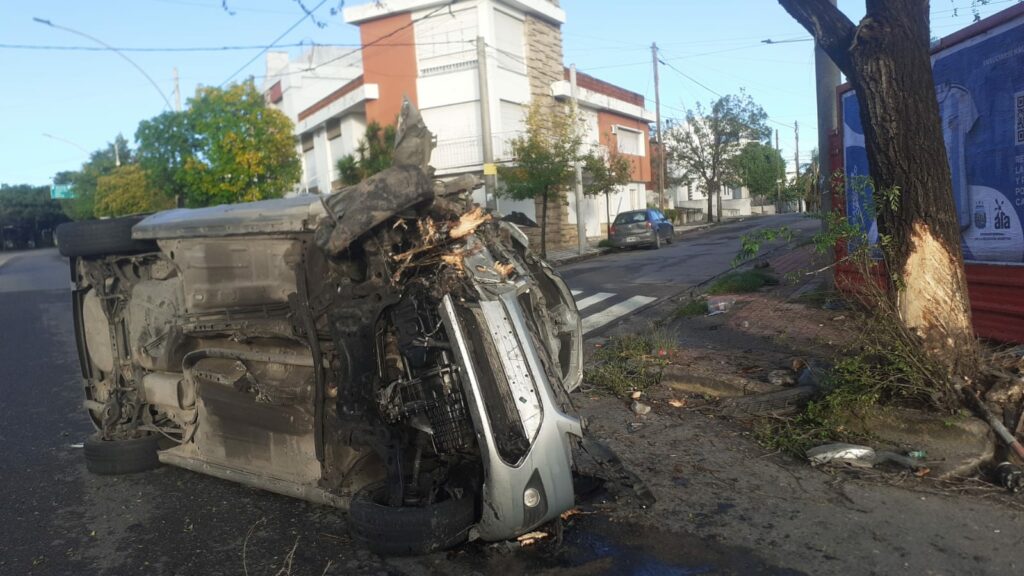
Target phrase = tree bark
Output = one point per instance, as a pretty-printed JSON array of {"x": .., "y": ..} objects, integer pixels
[
  {"x": 718, "y": 195},
  {"x": 711, "y": 200},
  {"x": 887, "y": 60}
]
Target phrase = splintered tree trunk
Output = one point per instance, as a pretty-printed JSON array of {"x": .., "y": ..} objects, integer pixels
[{"x": 886, "y": 58}]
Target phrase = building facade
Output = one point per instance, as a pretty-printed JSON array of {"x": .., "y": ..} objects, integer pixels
[{"x": 436, "y": 54}]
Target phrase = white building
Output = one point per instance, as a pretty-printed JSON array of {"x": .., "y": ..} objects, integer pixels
[{"x": 426, "y": 51}]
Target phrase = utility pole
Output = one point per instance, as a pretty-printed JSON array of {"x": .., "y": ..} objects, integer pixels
[
  {"x": 117, "y": 154},
  {"x": 826, "y": 78},
  {"x": 778, "y": 183},
  {"x": 490, "y": 170},
  {"x": 581, "y": 227},
  {"x": 657, "y": 116},
  {"x": 177, "y": 92},
  {"x": 796, "y": 157}
]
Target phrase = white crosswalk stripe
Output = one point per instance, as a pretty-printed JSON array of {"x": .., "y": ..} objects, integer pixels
[
  {"x": 595, "y": 313},
  {"x": 591, "y": 300}
]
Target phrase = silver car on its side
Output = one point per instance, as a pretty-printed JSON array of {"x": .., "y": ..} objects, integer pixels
[{"x": 384, "y": 349}]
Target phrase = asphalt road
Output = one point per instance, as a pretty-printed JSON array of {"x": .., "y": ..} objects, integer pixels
[
  {"x": 56, "y": 518},
  {"x": 615, "y": 286}
]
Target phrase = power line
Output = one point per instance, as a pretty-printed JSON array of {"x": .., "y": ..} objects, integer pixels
[
  {"x": 306, "y": 15},
  {"x": 112, "y": 49},
  {"x": 44, "y": 47}
]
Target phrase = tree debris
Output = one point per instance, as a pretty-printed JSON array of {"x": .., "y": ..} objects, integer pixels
[{"x": 468, "y": 223}]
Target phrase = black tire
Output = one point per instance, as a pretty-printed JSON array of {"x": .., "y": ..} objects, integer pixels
[
  {"x": 91, "y": 238},
  {"x": 657, "y": 240},
  {"x": 406, "y": 530},
  {"x": 671, "y": 236},
  {"x": 110, "y": 457}
]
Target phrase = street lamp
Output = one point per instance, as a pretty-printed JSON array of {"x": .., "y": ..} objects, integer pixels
[{"x": 112, "y": 49}]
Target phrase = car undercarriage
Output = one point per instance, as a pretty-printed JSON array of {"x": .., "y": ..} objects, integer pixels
[{"x": 389, "y": 349}]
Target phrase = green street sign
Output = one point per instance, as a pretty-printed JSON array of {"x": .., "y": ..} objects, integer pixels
[{"x": 61, "y": 192}]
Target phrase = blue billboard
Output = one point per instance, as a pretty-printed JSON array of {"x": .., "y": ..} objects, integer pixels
[{"x": 979, "y": 85}]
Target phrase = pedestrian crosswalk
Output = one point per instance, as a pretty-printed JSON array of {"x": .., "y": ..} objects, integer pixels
[{"x": 601, "y": 308}]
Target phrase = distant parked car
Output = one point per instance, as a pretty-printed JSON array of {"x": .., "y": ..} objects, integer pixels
[{"x": 641, "y": 228}]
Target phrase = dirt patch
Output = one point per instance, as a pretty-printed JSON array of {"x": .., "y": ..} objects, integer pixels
[{"x": 712, "y": 479}]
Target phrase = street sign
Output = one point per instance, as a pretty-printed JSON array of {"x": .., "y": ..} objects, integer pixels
[{"x": 61, "y": 192}]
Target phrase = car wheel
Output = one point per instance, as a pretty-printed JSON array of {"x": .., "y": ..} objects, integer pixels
[
  {"x": 657, "y": 241},
  {"x": 91, "y": 238},
  {"x": 671, "y": 236},
  {"x": 405, "y": 530},
  {"x": 110, "y": 457}
]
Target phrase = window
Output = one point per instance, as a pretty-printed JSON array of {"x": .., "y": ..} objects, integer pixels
[
  {"x": 629, "y": 141},
  {"x": 447, "y": 43},
  {"x": 510, "y": 38},
  {"x": 631, "y": 217}
]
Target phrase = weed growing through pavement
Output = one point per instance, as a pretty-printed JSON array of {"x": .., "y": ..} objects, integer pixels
[
  {"x": 693, "y": 307},
  {"x": 741, "y": 282},
  {"x": 631, "y": 362}
]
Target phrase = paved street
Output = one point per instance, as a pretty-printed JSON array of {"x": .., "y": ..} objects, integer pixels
[
  {"x": 614, "y": 286},
  {"x": 58, "y": 519}
]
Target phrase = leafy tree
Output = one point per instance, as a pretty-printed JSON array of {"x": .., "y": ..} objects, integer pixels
[
  {"x": 127, "y": 190},
  {"x": 166, "y": 142},
  {"x": 83, "y": 181},
  {"x": 26, "y": 211},
  {"x": 545, "y": 159},
  {"x": 604, "y": 175},
  {"x": 886, "y": 59},
  {"x": 372, "y": 155},
  {"x": 227, "y": 147},
  {"x": 703, "y": 147},
  {"x": 760, "y": 168}
]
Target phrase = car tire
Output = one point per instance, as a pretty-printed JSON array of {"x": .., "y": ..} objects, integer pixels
[
  {"x": 408, "y": 530},
  {"x": 657, "y": 241},
  {"x": 92, "y": 238},
  {"x": 671, "y": 236},
  {"x": 112, "y": 457}
]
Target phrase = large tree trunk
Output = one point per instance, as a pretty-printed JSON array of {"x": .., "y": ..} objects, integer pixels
[
  {"x": 886, "y": 59},
  {"x": 711, "y": 205},
  {"x": 718, "y": 195}
]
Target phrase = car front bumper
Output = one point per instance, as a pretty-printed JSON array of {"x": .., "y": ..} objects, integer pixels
[{"x": 506, "y": 386}]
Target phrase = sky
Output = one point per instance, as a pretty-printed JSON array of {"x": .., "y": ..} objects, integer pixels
[{"x": 57, "y": 105}]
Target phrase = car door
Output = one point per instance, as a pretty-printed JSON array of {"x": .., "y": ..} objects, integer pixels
[{"x": 659, "y": 222}]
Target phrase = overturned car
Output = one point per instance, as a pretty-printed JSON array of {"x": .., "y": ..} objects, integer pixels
[{"x": 385, "y": 349}]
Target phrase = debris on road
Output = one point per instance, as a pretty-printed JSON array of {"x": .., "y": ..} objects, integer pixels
[
  {"x": 677, "y": 403},
  {"x": 842, "y": 453},
  {"x": 782, "y": 378},
  {"x": 639, "y": 408},
  {"x": 1010, "y": 476},
  {"x": 531, "y": 538}
]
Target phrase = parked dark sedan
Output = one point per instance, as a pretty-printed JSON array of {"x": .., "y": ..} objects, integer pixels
[{"x": 641, "y": 228}]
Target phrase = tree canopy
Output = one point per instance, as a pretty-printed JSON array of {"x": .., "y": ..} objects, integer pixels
[
  {"x": 760, "y": 168},
  {"x": 84, "y": 180},
  {"x": 27, "y": 210},
  {"x": 127, "y": 190},
  {"x": 372, "y": 155},
  {"x": 702, "y": 148},
  {"x": 227, "y": 147},
  {"x": 545, "y": 156}
]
